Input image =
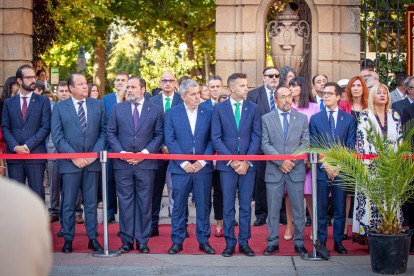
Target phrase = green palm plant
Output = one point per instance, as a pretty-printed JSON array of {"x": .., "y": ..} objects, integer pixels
[{"x": 387, "y": 182}]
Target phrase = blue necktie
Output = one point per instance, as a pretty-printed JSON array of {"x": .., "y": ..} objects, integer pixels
[
  {"x": 321, "y": 106},
  {"x": 285, "y": 124},
  {"x": 272, "y": 102},
  {"x": 332, "y": 123},
  {"x": 81, "y": 116},
  {"x": 135, "y": 117}
]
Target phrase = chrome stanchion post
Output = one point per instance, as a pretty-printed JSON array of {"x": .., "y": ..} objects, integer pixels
[
  {"x": 103, "y": 156},
  {"x": 312, "y": 256}
]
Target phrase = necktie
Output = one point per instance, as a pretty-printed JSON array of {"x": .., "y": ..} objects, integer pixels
[
  {"x": 332, "y": 124},
  {"x": 24, "y": 108},
  {"x": 272, "y": 102},
  {"x": 167, "y": 105},
  {"x": 237, "y": 114},
  {"x": 321, "y": 106},
  {"x": 81, "y": 116},
  {"x": 135, "y": 116},
  {"x": 285, "y": 124}
]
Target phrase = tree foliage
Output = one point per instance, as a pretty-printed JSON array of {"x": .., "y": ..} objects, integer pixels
[{"x": 44, "y": 28}]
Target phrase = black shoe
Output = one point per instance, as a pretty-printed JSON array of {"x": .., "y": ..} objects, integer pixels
[
  {"x": 323, "y": 243},
  {"x": 246, "y": 250},
  {"x": 228, "y": 251},
  {"x": 111, "y": 219},
  {"x": 60, "y": 233},
  {"x": 338, "y": 247},
  {"x": 271, "y": 249},
  {"x": 143, "y": 248},
  {"x": 67, "y": 247},
  {"x": 236, "y": 223},
  {"x": 206, "y": 247},
  {"x": 154, "y": 232},
  {"x": 308, "y": 222},
  {"x": 126, "y": 247},
  {"x": 119, "y": 233},
  {"x": 345, "y": 236},
  {"x": 329, "y": 222},
  {"x": 94, "y": 245},
  {"x": 260, "y": 222},
  {"x": 175, "y": 248},
  {"x": 300, "y": 249},
  {"x": 186, "y": 234}
]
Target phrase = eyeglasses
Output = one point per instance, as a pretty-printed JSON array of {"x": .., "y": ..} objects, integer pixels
[
  {"x": 273, "y": 75},
  {"x": 167, "y": 81},
  {"x": 224, "y": 96},
  {"x": 286, "y": 97},
  {"x": 30, "y": 77},
  {"x": 328, "y": 94}
]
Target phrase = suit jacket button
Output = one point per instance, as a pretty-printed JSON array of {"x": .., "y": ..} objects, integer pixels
[
  {"x": 193, "y": 141},
  {"x": 238, "y": 138},
  {"x": 23, "y": 129},
  {"x": 135, "y": 136}
]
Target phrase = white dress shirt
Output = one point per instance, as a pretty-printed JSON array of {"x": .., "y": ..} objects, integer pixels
[
  {"x": 192, "y": 118},
  {"x": 28, "y": 97},
  {"x": 213, "y": 102},
  {"x": 75, "y": 102},
  {"x": 334, "y": 114},
  {"x": 281, "y": 117},
  {"x": 233, "y": 106},
  {"x": 318, "y": 100},
  {"x": 401, "y": 94},
  {"x": 164, "y": 100},
  {"x": 409, "y": 100},
  {"x": 118, "y": 99}
]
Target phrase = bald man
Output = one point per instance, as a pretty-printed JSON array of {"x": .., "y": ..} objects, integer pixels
[{"x": 166, "y": 99}]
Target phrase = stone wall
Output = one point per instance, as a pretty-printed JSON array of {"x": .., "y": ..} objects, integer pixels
[
  {"x": 16, "y": 46},
  {"x": 240, "y": 40}
]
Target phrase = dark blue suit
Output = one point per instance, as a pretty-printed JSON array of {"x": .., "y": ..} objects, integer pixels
[
  {"x": 31, "y": 132},
  {"x": 160, "y": 175},
  {"x": 345, "y": 133},
  {"x": 134, "y": 182},
  {"x": 180, "y": 139},
  {"x": 207, "y": 104},
  {"x": 228, "y": 140},
  {"x": 68, "y": 137}
]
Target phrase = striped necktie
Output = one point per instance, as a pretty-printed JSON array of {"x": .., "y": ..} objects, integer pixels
[
  {"x": 332, "y": 123},
  {"x": 272, "y": 101},
  {"x": 81, "y": 116},
  {"x": 24, "y": 108}
]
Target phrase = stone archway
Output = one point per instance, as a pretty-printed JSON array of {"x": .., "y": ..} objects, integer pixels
[{"x": 240, "y": 40}]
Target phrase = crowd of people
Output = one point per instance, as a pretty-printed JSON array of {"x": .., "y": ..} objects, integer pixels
[{"x": 283, "y": 116}]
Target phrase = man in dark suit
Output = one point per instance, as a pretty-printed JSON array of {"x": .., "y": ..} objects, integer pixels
[
  {"x": 214, "y": 85},
  {"x": 187, "y": 131},
  {"x": 79, "y": 125},
  {"x": 332, "y": 125},
  {"x": 407, "y": 121},
  {"x": 264, "y": 97},
  {"x": 166, "y": 99},
  {"x": 135, "y": 126},
  {"x": 318, "y": 82},
  {"x": 25, "y": 127},
  {"x": 409, "y": 99},
  {"x": 236, "y": 130},
  {"x": 109, "y": 101}
]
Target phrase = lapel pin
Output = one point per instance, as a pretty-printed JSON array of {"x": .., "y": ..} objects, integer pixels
[
  {"x": 148, "y": 108},
  {"x": 245, "y": 108},
  {"x": 342, "y": 118},
  {"x": 201, "y": 111}
]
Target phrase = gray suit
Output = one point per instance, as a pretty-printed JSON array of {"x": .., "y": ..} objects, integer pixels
[
  {"x": 274, "y": 143},
  {"x": 395, "y": 96}
]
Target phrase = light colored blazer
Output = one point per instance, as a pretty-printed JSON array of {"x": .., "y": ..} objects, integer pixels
[
  {"x": 274, "y": 142},
  {"x": 395, "y": 96}
]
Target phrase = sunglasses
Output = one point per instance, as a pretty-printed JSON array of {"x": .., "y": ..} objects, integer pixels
[
  {"x": 273, "y": 75},
  {"x": 224, "y": 96}
]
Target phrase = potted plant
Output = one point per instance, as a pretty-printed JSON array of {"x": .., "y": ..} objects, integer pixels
[{"x": 388, "y": 183}]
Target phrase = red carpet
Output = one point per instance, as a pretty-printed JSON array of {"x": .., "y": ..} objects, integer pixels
[{"x": 161, "y": 244}]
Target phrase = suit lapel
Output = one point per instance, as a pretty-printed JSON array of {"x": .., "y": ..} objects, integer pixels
[
  {"x": 325, "y": 121},
  {"x": 230, "y": 113},
  {"x": 126, "y": 107},
  {"x": 264, "y": 99},
  {"x": 144, "y": 113},
  {"x": 73, "y": 112},
  {"x": 89, "y": 113},
  {"x": 200, "y": 118},
  {"x": 186, "y": 121},
  {"x": 339, "y": 123},
  {"x": 278, "y": 124},
  {"x": 243, "y": 114},
  {"x": 176, "y": 99},
  {"x": 292, "y": 123},
  {"x": 31, "y": 104},
  {"x": 18, "y": 108}
]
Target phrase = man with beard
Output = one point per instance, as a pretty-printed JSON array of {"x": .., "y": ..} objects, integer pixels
[
  {"x": 25, "y": 127},
  {"x": 263, "y": 96},
  {"x": 135, "y": 126}
]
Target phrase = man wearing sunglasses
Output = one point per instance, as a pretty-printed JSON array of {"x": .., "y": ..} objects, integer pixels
[
  {"x": 167, "y": 98},
  {"x": 263, "y": 96}
]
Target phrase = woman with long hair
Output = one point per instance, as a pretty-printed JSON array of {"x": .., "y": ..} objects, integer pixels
[{"x": 93, "y": 91}]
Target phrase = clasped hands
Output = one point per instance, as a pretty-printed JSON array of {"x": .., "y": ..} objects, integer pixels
[
  {"x": 22, "y": 150},
  {"x": 332, "y": 173},
  {"x": 287, "y": 166},
  {"x": 133, "y": 161},
  {"x": 240, "y": 167},
  {"x": 192, "y": 168}
]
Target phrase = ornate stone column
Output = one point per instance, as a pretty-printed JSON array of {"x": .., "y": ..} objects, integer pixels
[{"x": 16, "y": 29}]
